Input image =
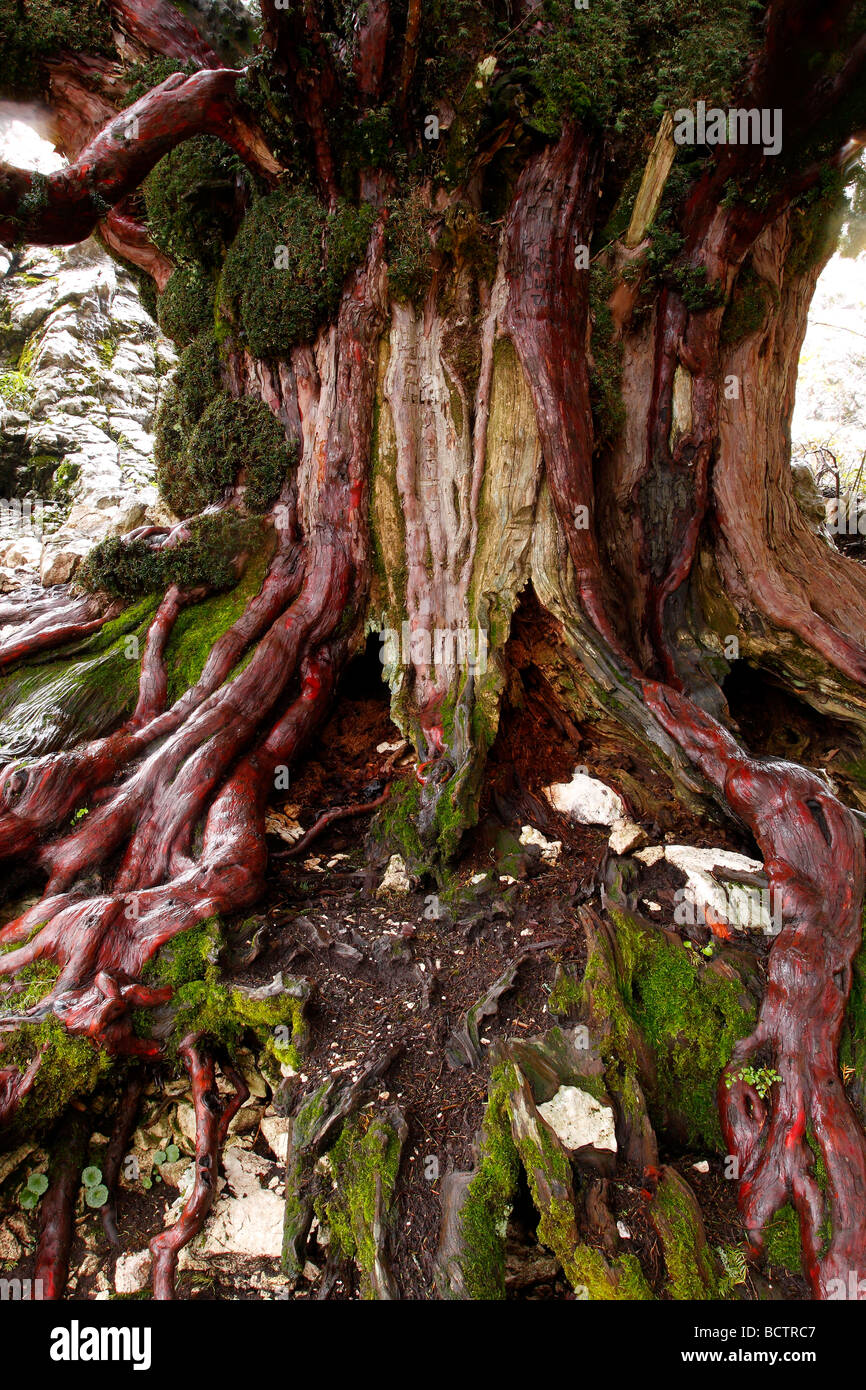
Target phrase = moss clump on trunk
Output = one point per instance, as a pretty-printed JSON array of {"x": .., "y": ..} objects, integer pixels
[
  {"x": 284, "y": 272},
  {"x": 127, "y": 569}
]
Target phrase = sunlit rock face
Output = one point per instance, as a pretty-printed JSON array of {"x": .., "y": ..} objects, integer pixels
[{"x": 81, "y": 365}]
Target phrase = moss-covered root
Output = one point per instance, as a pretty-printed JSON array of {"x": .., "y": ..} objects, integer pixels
[
  {"x": 470, "y": 1263},
  {"x": 203, "y": 1003},
  {"x": 305, "y": 1130},
  {"x": 364, "y": 1164},
  {"x": 669, "y": 1021},
  {"x": 676, "y": 1218},
  {"x": 477, "y": 1206},
  {"x": 629, "y": 1066},
  {"x": 548, "y": 1169},
  {"x": 313, "y": 1129}
]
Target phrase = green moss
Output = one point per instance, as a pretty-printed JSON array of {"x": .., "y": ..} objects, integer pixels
[
  {"x": 396, "y": 823},
  {"x": 782, "y": 1240},
  {"x": 185, "y": 308},
  {"x": 107, "y": 349},
  {"x": 71, "y": 1067},
  {"x": 37, "y": 29},
  {"x": 490, "y": 1196},
  {"x": 141, "y": 78},
  {"x": 566, "y": 996},
  {"x": 816, "y": 222},
  {"x": 620, "y": 65},
  {"x": 200, "y": 626},
  {"x": 691, "y": 1274},
  {"x": 749, "y": 306},
  {"x": 15, "y": 389},
  {"x": 284, "y": 273},
  {"x": 551, "y": 1183},
  {"x": 231, "y": 437},
  {"x": 190, "y": 198},
  {"x": 697, "y": 292},
  {"x": 690, "y": 1015},
  {"x": 852, "y": 1049},
  {"x": 126, "y": 569},
  {"x": 204, "y": 1003},
  {"x": 620, "y": 1278},
  {"x": 38, "y": 980},
  {"x": 80, "y": 695},
  {"x": 364, "y": 1164}
]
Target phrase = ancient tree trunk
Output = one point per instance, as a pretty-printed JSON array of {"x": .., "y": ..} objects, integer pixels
[{"x": 526, "y": 406}]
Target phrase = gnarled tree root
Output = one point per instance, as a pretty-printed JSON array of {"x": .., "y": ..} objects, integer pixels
[
  {"x": 212, "y": 1120},
  {"x": 815, "y": 861}
]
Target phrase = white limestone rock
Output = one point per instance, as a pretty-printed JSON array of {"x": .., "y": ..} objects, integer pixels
[
  {"x": 586, "y": 800},
  {"x": 578, "y": 1119}
]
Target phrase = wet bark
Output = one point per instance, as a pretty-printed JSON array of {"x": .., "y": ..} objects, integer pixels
[{"x": 482, "y": 485}]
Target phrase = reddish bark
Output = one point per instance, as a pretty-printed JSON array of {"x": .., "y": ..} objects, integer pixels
[
  {"x": 329, "y": 817},
  {"x": 117, "y": 1150},
  {"x": 302, "y": 56},
  {"x": 815, "y": 860},
  {"x": 159, "y": 27},
  {"x": 166, "y": 1247},
  {"x": 66, "y": 621},
  {"x": 57, "y": 1208},
  {"x": 552, "y": 215},
  {"x": 212, "y": 764}
]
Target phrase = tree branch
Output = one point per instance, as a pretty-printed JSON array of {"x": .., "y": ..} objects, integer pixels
[
  {"x": 410, "y": 53},
  {"x": 301, "y": 54},
  {"x": 66, "y": 206},
  {"x": 160, "y": 28}
]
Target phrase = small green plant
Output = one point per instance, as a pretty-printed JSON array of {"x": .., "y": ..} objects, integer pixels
[
  {"x": 734, "y": 1264},
  {"x": 15, "y": 389},
  {"x": 95, "y": 1191},
  {"x": 172, "y": 1153},
  {"x": 761, "y": 1078},
  {"x": 35, "y": 1187}
]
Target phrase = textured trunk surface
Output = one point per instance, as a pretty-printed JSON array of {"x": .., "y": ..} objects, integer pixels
[{"x": 450, "y": 463}]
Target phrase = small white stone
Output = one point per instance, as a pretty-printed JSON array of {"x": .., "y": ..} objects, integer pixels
[
  {"x": 701, "y": 1167},
  {"x": 275, "y": 1134},
  {"x": 550, "y": 849},
  {"x": 651, "y": 855},
  {"x": 132, "y": 1272},
  {"x": 395, "y": 879},
  {"x": 578, "y": 1119},
  {"x": 626, "y": 836},
  {"x": 623, "y": 1229},
  {"x": 586, "y": 800}
]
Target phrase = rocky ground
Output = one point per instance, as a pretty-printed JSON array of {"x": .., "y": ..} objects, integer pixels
[
  {"x": 396, "y": 972},
  {"x": 81, "y": 364}
]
